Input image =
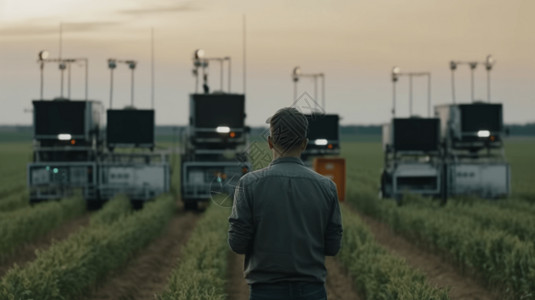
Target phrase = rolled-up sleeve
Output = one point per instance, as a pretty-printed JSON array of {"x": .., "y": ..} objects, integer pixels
[
  {"x": 333, "y": 233},
  {"x": 241, "y": 229}
]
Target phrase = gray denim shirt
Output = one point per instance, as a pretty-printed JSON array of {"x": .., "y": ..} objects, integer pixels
[{"x": 285, "y": 219}]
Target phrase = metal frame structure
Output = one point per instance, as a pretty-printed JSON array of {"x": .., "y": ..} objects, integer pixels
[
  {"x": 416, "y": 171},
  {"x": 64, "y": 63},
  {"x": 213, "y": 158}
]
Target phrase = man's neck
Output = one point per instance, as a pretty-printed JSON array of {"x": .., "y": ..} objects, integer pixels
[{"x": 277, "y": 154}]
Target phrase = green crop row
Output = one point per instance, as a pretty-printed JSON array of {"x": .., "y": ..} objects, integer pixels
[
  {"x": 517, "y": 223},
  {"x": 116, "y": 208},
  {"x": 202, "y": 266},
  {"x": 495, "y": 255},
  {"x": 14, "y": 201},
  {"x": 70, "y": 267},
  {"x": 11, "y": 186},
  {"x": 23, "y": 225},
  {"x": 376, "y": 273}
]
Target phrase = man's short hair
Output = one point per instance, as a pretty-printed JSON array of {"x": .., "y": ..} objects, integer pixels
[{"x": 288, "y": 128}]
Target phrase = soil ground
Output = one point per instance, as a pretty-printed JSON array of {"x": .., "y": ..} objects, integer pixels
[
  {"x": 27, "y": 252},
  {"x": 148, "y": 272}
]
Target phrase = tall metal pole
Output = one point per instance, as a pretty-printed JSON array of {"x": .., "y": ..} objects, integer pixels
[
  {"x": 473, "y": 66},
  {"x": 429, "y": 95},
  {"x": 472, "y": 83},
  {"x": 60, "y": 39},
  {"x": 61, "y": 85},
  {"x": 86, "y": 77},
  {"x": 244, "y": 56},
  {"x": 69, "y": 80},
  {"x": 60, "y": 53},
  {"x": 132, "y": 90},
  {"x": 152, "y": 67},
  {"x": 453, "y": 85},
  {"x": 323, "y": 91},
  {"x": 410, "y": 95},
  {"x": 295, "y": 90},
  {"x": 393, "y": 98},
  {"x": 221, "y": 61},
  {"x": 196, "y": 81},
  {"x": 315, "y": 88},
  {"x": 229, "y": 73},
  {"x": 111, "y": 87},
  {"x": 42, "y": 78},
  {"x": 488, "y": 85}
]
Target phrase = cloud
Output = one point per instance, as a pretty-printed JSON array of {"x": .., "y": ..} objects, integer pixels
[{"x": 157, "y": 9}]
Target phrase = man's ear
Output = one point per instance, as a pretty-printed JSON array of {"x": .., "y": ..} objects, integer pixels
[
  {"x": 270, "y": 143},
  {"x": 304, "y": 144}
]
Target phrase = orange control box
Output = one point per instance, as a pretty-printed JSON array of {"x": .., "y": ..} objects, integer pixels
[{"x": 335, "y": 169}]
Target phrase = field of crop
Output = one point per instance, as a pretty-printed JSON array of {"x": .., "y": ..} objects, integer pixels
[{"x": 468, "y": 249}]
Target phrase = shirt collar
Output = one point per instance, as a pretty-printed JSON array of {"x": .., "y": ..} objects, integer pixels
[{"x": 287, "y": 160}]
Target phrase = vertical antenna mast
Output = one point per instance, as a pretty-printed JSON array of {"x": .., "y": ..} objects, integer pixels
[
  {"x": 152, "y": 65},
  {"x": 244, "y": 56},
  {"x": 60, "y": 39},
  {"x": 60, "y": 55}
]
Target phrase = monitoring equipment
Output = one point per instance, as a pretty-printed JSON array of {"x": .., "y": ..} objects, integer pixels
[
  {"x": 472, "y": 126},
  {"x": 472, "y": 137},
  {"x": 214, "y": 144},
  {"x": 130, "y": 128},
  {"x": 323, "y": 135},
  {"x": 412, "y": 135},
  {"x": 323, "y": 129},
  {"x": 142, "y": 176},
  {"x": 67, "y": 143},
  {"x": 65, "y": 122},
  {"x": 486, "y": 179},
  {"x": 473, "y": 150},
  {"x": 458, "y": 153},
  {"x": 140, "y": 173},
  {"x": 217, "y": 120},
  {"x": 412, "y": 157},
  {"x": 412, "y": 152},
  {"x": 69, "y": 151}
]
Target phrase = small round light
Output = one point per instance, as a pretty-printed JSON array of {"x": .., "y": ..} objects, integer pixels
[
  {"x": 395, "y": 73},
  {"x": 131, "y": 64},
  {"x": 43, "y": 54},
  {"x": 222, "y": 129},
  {"x": 489, "y": 62},
  {"x": 62, "y": 66},
  {"x": 453, "y": 65},
  {"x": 296, "y": 71},
  {"x": 198, "y": 54}
]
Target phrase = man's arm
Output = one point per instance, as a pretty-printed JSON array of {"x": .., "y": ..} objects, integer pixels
[
  {"x": 333, "y": 234},
  {"x": 241, "y": 230}
]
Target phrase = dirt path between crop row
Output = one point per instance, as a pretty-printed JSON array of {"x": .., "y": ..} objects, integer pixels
[
  {"x": 438, "y": 272},
  {"x": 27, "y": 252},
  {"x": 339, "y": 283},
  {"x": 147, "y": 273}
]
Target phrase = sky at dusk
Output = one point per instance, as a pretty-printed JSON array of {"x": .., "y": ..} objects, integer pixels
[{"x": 354, "y": 43}]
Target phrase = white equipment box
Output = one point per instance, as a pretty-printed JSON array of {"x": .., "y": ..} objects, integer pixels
[{"x": 486, "y": 180}]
